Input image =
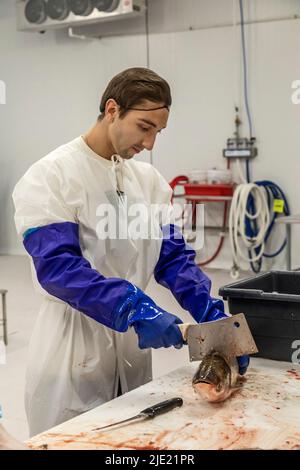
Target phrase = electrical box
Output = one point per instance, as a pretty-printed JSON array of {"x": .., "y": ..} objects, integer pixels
[
  {"x": 240, "y": 148},
  {"x": 40, "y": 15}
]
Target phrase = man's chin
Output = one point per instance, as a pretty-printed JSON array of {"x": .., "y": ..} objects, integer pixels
[{"x": 128, "y": 154}]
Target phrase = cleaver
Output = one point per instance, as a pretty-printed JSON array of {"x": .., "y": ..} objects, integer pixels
[{"x": 230, "y": 336}]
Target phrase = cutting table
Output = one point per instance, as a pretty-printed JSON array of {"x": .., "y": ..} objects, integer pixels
[{"x": 263, "y": 414}]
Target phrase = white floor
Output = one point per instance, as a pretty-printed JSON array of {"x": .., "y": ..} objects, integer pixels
[{"x": 22, "y": 307}]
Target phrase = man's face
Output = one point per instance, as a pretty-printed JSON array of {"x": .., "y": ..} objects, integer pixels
[{"x": 137, "y": 130}]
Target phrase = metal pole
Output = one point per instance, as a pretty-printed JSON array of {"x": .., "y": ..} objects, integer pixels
[
  {"x": 288, "y": 247},
  {"x": 3, "y": 293}
]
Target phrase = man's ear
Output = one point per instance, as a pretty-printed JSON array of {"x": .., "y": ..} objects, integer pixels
[{"x": 111, "y": 109}]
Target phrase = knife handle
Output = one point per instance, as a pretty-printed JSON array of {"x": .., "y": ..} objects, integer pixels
[{"x": 162, "y": 407}]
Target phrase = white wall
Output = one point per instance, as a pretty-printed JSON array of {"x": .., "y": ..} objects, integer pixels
[
  {"x": 201, "y": 69},
  {"x": 54, "y": 84}
]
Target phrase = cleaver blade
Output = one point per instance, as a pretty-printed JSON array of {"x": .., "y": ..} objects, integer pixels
[{"x": 230, "y": 336}]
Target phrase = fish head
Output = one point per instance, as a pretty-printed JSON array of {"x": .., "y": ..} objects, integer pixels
[{"x": 212, "y": 379}]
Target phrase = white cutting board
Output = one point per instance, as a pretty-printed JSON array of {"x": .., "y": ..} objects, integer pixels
[{"x": 265, "y": 414}]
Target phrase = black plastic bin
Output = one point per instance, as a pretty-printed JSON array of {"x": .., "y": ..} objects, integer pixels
[{"x": 271, "y": 304}]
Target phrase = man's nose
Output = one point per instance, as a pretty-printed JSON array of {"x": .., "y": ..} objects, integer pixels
[{"x": 148, "y": 142}]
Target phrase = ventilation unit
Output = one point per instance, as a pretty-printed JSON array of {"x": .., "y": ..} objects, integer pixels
[{"x": 37, "y": 15}]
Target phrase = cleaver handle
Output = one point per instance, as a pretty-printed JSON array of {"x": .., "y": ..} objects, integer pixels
[{"x": 184, "y": 328}]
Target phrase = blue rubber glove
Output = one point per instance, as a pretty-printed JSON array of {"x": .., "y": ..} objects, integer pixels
[
  {"x": 243, "y": 362},
  {"x": 177, "y": 270},
  {"x": 155, "y": 327}
]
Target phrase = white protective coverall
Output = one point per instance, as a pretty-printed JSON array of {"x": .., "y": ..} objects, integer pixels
[{"x": 76, "y": 363}]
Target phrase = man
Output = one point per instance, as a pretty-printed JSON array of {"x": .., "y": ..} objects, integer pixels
[{"x": 96, "y": 326}]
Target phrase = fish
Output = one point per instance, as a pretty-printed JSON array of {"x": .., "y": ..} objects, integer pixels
[{"x": 216, "y": 378}]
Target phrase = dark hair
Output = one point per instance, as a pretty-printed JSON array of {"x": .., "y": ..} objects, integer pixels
[{"x": 132, "y": 86}]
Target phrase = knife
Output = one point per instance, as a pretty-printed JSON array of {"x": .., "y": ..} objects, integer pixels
[
  {"x": 150, "y": 412},
  {"x": 230, "y": 336}
]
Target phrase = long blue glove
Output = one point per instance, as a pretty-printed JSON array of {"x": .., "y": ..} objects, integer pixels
[
  {"x": 243, "y": 362},
  {"x": 176, "y": 269},
  {"x": 64, "y": 273},
  {"x": 155, "y": 327}
]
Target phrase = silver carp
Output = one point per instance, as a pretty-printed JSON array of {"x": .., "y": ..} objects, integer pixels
[{"x": 216, "y": 378}]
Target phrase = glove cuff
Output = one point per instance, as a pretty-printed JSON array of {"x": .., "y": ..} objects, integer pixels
[{"x": 126, "y": 308}]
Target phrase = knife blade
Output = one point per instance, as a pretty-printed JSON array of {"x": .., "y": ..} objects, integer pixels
[{"x": 150, "y": 412}]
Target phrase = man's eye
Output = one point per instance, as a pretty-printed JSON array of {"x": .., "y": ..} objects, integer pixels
[{"x": 145, "y": 129}]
